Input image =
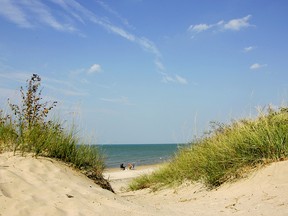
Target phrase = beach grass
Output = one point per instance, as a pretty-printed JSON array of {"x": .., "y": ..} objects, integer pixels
[
  {"x": 26, "y": 130},
  {"x": 228, "y": 152}
]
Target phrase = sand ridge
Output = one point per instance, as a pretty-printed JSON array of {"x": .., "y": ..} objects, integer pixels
[{"x": 30, "y": 186}]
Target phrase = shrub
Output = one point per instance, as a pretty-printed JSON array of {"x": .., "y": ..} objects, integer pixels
[{"x": 28, "y": 131}]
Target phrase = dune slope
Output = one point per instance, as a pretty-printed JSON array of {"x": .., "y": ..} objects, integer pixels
[{"x": 42, "y": 186}]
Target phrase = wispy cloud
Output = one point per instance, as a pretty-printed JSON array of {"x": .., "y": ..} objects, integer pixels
[
  {"x": 168, "y": 78},
  {"x": 67, "y": 91},
  {"x": 257, "y": 66},
  {"x": 249, "y": 49},
  {"x": 95, "y": 68},
  {"x": 199, "y": 28},
  {"x": 83, "y": 14},
  {"x": 57, "y": 85},
  {"x": 14, "y": 14},
  {"x": 34, "y": 13},
  {"x": 6, "y": 93},
  {"x": 86, "y": 14},
  {"x": 83, "y": 75},
  {"x": 237, "y": 24},
  {"x": 121, "y": 100},
  {"x": 180, "y": 79},
  {"x": 143, "y": 42},
  {"x": 232, "y": 25},
  {"x": 66, "y": 6},
  {"x": 149, "y": 46},
  {"x": 159, "y": 65},
  {"x": 114, "y": 13},
  {"x": 20, "y": 77},
  {"x": 64, "y": 87},
  {"x": 174, "y": 79}
]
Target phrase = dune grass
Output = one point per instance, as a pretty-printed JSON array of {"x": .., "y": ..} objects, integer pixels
[
  {"x": 227, "y": 153},
  {"x": 26, "y": 130}
]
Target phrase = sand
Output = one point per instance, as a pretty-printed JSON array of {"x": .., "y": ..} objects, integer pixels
[
  {"x": 42, "y": 186},
  {"x": 119, "y": 179}
]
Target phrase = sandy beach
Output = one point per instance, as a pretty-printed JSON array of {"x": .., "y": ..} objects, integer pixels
[
  {"x": 43, "y": 186},
  {"x": 119, "y": 179}
]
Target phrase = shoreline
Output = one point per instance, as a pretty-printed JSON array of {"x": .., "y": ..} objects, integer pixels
[
  {"x": 139, "y": 167},
  {"x": 120, "y": 179}
]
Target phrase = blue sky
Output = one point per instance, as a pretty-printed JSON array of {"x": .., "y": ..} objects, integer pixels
[{"x": 147, "y": 71}]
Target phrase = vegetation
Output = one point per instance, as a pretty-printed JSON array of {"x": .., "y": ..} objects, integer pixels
[
  {"x": 27, "y": 131},
  {"x": 226, "y": 153}
]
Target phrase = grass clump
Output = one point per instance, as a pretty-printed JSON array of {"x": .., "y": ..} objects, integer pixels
[
  {"x": 27, "y": 131},
  {"x": 226, "y": 153}
]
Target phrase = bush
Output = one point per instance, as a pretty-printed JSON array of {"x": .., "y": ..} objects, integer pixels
[{"x": 28, "y": 131}]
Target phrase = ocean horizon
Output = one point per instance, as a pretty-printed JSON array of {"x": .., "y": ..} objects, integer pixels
[{"x": 138, "y": 154}]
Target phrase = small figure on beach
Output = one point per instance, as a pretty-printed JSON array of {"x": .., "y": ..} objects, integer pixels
[
  {"x": 122, "y": 166},
  {"x": 131, "y": 166}
]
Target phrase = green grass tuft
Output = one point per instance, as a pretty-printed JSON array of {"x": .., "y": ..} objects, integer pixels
[
  {"x": 227, "y": 153},
  {"x": 26, "y": 131}
]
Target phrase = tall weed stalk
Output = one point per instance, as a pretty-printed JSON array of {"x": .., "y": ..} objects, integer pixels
[{"x": 27, "y": 130}]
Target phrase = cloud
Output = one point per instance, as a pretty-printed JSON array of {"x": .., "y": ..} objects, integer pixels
[
  {"x": 75, "y": 9},
  {"x": 159, "y": 65},
  {"x": 116, "y": 30},
  {"x": 113, "y": 12},
  {"x": 257, "y": 66},
  {"x": 67, "y": 9},
  {"x": 34, "y": 13},
  {"x": 14, "y": 14},
  {"x": 6, "y": 93},
  {"x": 174, "y": 79},
  {"x": 65, "y": 90},
  {"x": 95, "y": 68},
  {"x": 59, "y": 86},
  {"x": 237, "y": 24},
  {"x": 249, "y": 49},
  {"x": 20, "y": 77},
  {"x": 180, "y": 79},
  {"x": 122, "y": 100},
  {"x": 199, "y": 28},
  {"x": 148, "y": 46},
  {"x": 30, "y": 14},
  {"x": 65, "y": 87},
  {"x": 85, "y": 14},
  {"x": 232, "y": 25},
  {"x": 166, "y": 78}
]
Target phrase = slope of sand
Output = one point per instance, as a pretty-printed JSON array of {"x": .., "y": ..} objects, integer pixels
[
  {"x": 30, "y": 186},
  {"x": 42, "y": 186}
]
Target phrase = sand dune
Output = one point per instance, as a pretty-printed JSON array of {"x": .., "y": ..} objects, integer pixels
[
  {"x": 42, "y": 186},
  {"x": 30, "y": 186}
]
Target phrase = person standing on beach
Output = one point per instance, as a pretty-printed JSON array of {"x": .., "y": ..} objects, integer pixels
[{"x": 122, "y": 166}]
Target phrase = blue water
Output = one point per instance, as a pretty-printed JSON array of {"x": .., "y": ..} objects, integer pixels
[{"x": 139, "y": 154}]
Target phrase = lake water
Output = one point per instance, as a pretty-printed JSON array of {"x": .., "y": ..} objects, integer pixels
[{"x": 139, "y": 154}]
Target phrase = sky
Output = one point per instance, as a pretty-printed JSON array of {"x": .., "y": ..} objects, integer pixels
[{"x": 146, "y": 71}]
